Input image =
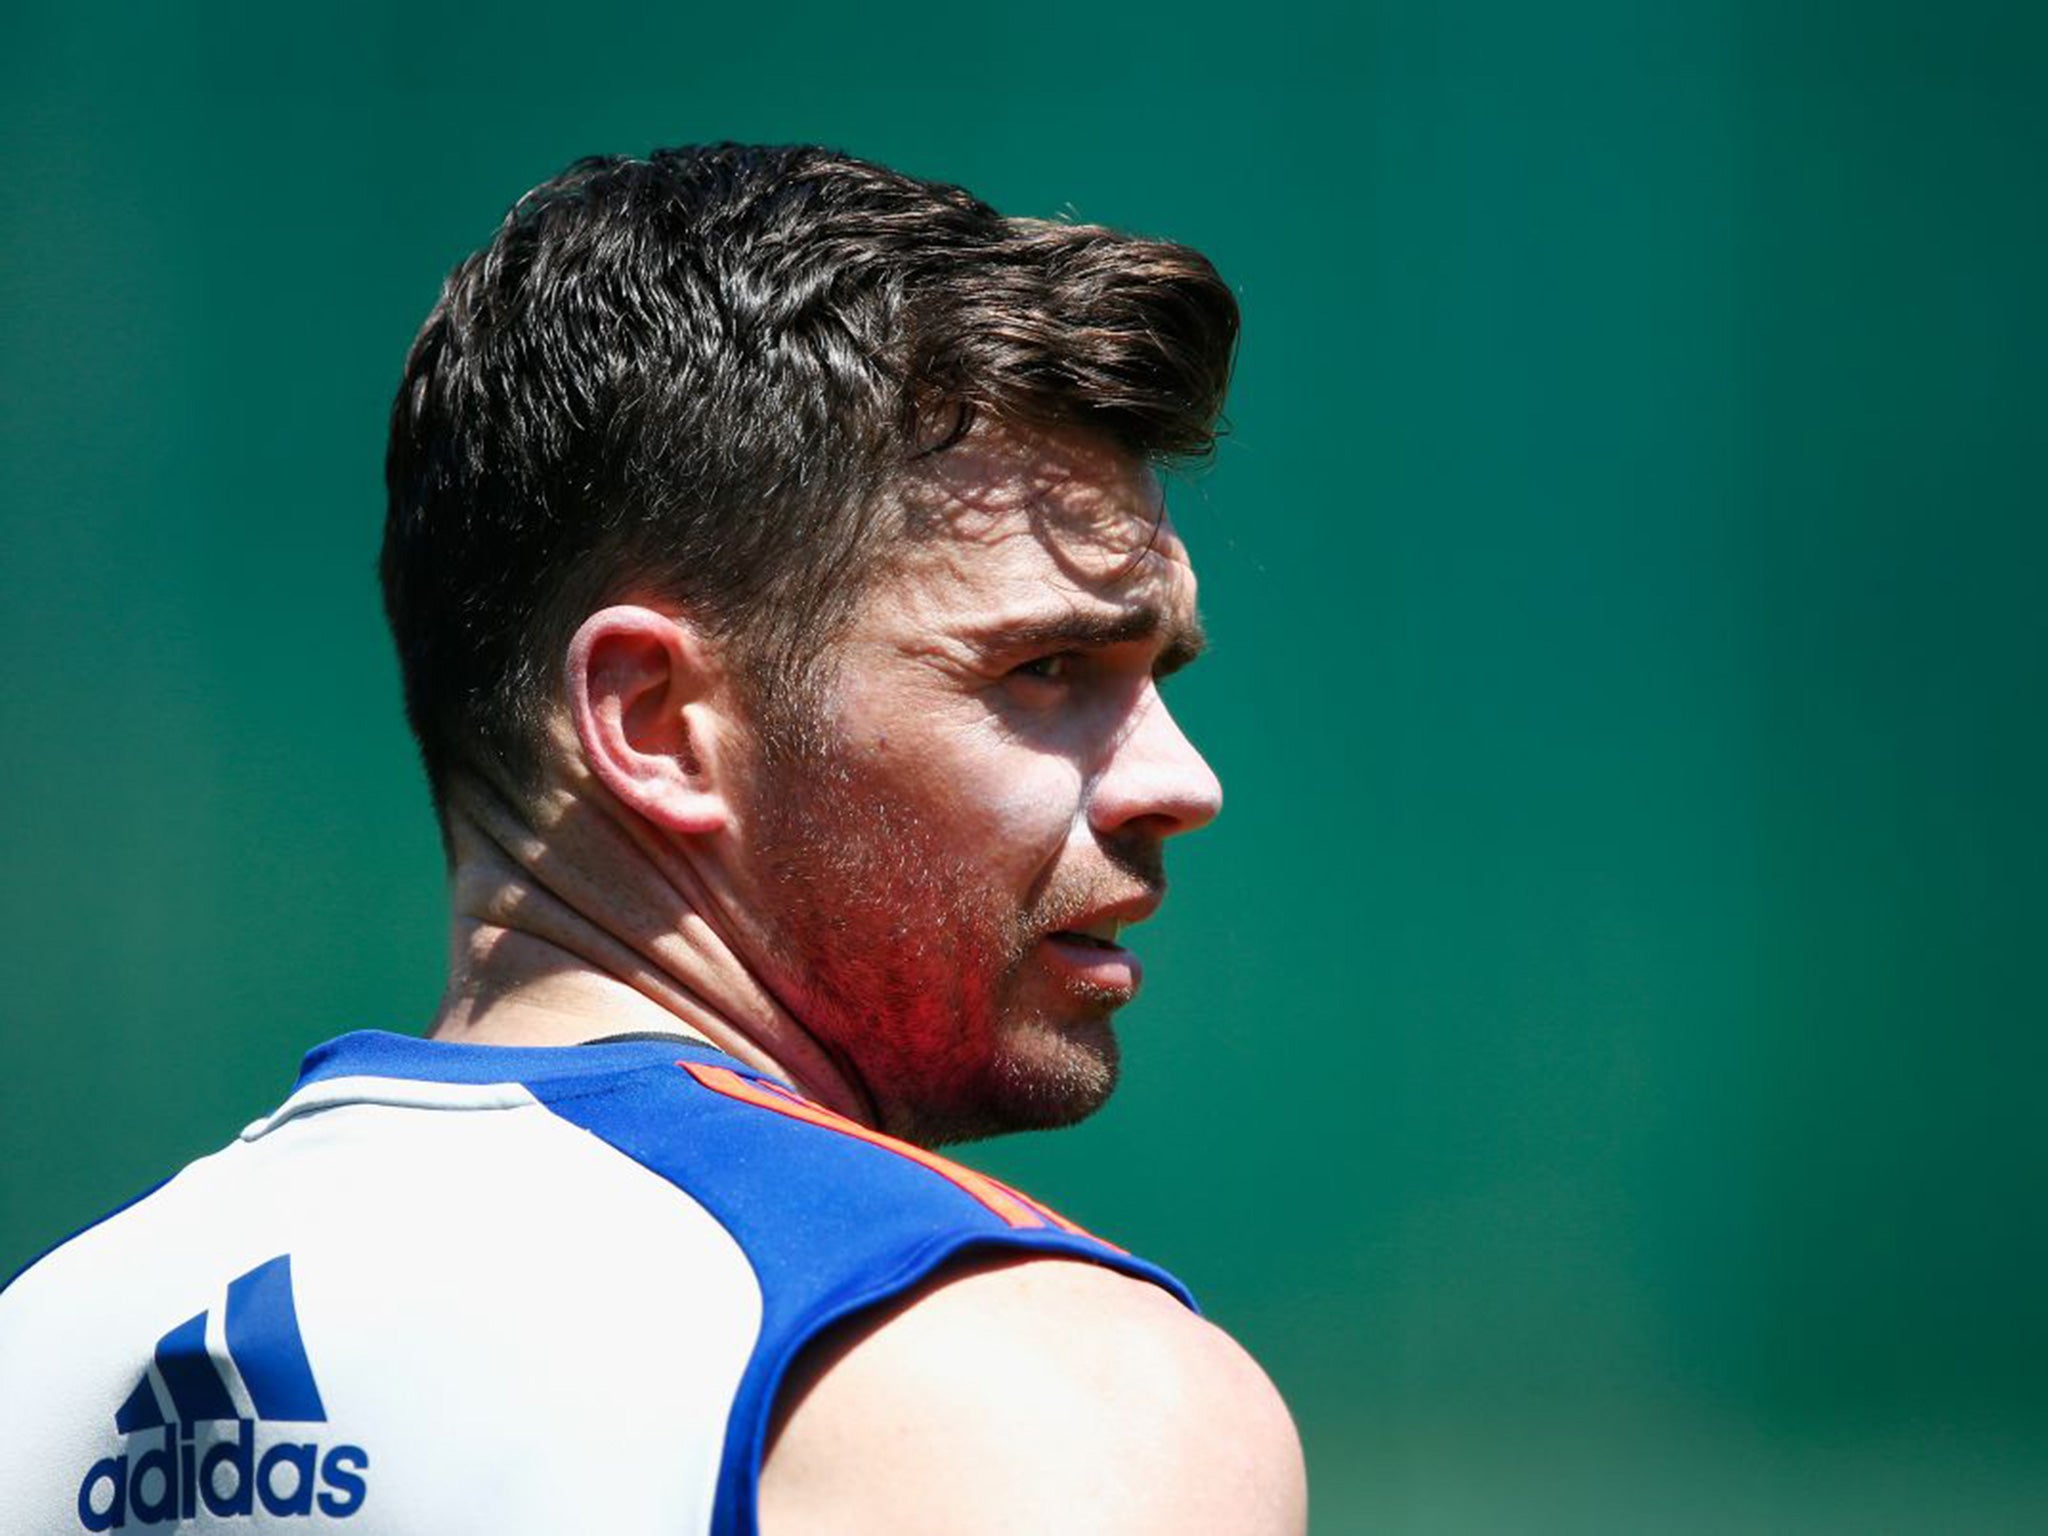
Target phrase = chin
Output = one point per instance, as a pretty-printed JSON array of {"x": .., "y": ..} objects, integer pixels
[{"x": 1045, "y": 1077}]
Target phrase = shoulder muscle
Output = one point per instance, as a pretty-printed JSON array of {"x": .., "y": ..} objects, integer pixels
[{"x": 1033, "y": 1395}]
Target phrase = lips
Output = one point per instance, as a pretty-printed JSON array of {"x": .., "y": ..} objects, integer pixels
[{"x": 1090, "y": 949}]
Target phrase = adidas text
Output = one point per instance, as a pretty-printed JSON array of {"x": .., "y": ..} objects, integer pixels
[{"x": 227, "y": 1477}]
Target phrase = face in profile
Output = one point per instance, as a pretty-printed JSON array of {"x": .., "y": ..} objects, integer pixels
[{"x": 946, "y": 867}]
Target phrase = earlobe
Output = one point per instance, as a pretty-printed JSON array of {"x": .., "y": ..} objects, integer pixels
[{"x": 643, "y": 697}]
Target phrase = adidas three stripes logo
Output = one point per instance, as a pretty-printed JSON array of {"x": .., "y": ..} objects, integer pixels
[
  {"x": 262, "y": 1328},
  {"x": 195, "y": 1450}
]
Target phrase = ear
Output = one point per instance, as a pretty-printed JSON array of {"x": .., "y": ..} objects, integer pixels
[{"x": 645, "y": 698}]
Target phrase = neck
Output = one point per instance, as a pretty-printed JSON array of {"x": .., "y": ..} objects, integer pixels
[{"x": 580, "y": 921}]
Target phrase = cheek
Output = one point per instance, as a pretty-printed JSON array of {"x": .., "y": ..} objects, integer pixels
[
  {"x": 994, "y": 802},
  {"x": 1019, "y": 810}
]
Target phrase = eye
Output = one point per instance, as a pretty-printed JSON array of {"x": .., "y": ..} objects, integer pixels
[{"x": 1056, "y": 668}]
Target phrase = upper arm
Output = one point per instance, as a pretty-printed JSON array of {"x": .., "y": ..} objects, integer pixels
[{"x": 1028, "y": 1396}]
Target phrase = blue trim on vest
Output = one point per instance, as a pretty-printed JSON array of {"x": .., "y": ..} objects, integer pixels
[
  {"x": 379, "y": 1053},
  {"x": 832, "y": 1225}
]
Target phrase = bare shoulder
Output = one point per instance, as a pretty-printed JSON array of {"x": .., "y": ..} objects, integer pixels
[{"x": 1028, "y": 1396}]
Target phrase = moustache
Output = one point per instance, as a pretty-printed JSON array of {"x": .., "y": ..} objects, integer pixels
[{"x": 1135, "y": 877}]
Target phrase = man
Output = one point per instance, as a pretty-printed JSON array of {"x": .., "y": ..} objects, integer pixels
[{"x": 783, "y": 587}]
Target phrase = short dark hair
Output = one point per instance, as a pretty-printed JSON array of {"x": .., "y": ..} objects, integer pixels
[{"x": 693, "y": 374}]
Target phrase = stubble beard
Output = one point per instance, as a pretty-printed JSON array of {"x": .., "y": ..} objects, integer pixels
[{"x": 915, "y": 972}]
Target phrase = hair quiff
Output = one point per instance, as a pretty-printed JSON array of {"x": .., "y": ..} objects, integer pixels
[{"x": 693, "y": 374}]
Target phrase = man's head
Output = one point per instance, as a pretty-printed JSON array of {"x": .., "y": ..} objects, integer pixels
[
  {"x": 888, "y": 460},
  {"x": 701, "y": 374}
]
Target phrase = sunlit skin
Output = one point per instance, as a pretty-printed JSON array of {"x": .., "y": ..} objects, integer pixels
[{"x": 943, "y": 874}]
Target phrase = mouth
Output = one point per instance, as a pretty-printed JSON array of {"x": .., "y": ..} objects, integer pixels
[{"x": 1091, "y": 953}]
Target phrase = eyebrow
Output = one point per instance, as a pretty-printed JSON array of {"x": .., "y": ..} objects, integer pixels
[{"x": 1105, "y": 627}]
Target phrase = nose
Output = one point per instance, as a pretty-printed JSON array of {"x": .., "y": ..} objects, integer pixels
[{"x": 1156, "y": 777}]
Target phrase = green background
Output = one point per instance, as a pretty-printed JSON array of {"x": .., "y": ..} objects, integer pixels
[{"x": 1596, "y": 1060}]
